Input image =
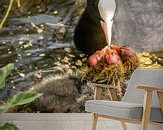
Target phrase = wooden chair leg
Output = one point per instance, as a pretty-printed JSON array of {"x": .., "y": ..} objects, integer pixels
[
  {"x": 146, "y": 110},
  {"x": 124, "y": 125},
  {"x": 160, "y": 98},
  {"x": 112, "y": 94},
  {"x": 94, "y": 122},
  {"x": 144, "y": 126}
]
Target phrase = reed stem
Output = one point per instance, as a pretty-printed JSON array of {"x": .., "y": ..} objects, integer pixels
[{"x": 7, "y": 13}]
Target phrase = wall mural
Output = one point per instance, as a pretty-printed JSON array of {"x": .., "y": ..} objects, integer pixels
[{"x": 57, "y": 46}]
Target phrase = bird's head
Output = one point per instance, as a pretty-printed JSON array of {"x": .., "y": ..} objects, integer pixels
[
  {"x": 102, "y": 12},
  {"x": 93, "y": 10}
]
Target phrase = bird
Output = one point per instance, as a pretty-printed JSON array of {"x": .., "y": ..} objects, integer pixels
[
  {"x": 93, "y": 30},
  {"x": 62, "y": 93}
]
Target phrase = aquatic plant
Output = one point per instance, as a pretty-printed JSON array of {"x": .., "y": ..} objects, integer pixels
[
  {"x": 7, "y": 13},
  {"x": 8, "y": 126},
  {"x": 4, "y": 72}
]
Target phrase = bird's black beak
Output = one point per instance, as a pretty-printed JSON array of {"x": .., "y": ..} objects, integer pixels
[{"x": 93, "y": 11}]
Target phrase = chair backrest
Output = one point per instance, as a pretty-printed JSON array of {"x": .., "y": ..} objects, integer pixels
[{"x": 143, "y": 77}]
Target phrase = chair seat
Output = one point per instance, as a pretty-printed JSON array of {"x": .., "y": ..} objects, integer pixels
[{"x": 131, "y": 111}]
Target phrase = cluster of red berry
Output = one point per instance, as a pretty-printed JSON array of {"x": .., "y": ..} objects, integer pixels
[{"x": 111, "y": 55}]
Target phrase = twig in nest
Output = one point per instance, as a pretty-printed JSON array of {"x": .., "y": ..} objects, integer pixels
[{"x": 18, "y": 3}]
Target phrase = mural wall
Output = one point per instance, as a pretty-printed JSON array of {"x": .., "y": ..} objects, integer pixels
[{"x": 139, "y": 24}]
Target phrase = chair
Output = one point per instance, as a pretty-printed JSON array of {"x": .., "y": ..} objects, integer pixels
[{"x": 137, "y": 106}]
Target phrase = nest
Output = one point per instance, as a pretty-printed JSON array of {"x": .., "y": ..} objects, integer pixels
[
  {"x": 103, "y": 73},
  {"x": 130, "y": 64}
]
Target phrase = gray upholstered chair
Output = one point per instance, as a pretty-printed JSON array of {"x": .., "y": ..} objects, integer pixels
[{"x": 141, "y": 104}]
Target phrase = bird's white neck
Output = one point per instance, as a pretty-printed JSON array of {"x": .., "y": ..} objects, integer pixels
[{"x": 107, "y": 10}]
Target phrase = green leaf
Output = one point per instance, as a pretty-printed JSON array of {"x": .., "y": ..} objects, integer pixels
[
  {"x": 4, "y": 72},
  {"x": 8, "y": 126},
  {"x": 2, "y": 109},
  {"x": 22, "y": 98}
]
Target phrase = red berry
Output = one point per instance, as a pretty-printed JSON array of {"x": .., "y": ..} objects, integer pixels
[
  {"x": 126, "y": 51},
  {"x": 112, "y": 57},
  {"x": 92, "y": 61}
]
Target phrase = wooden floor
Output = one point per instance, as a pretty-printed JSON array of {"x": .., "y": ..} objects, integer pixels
[{"x": 56, "y": 121}]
